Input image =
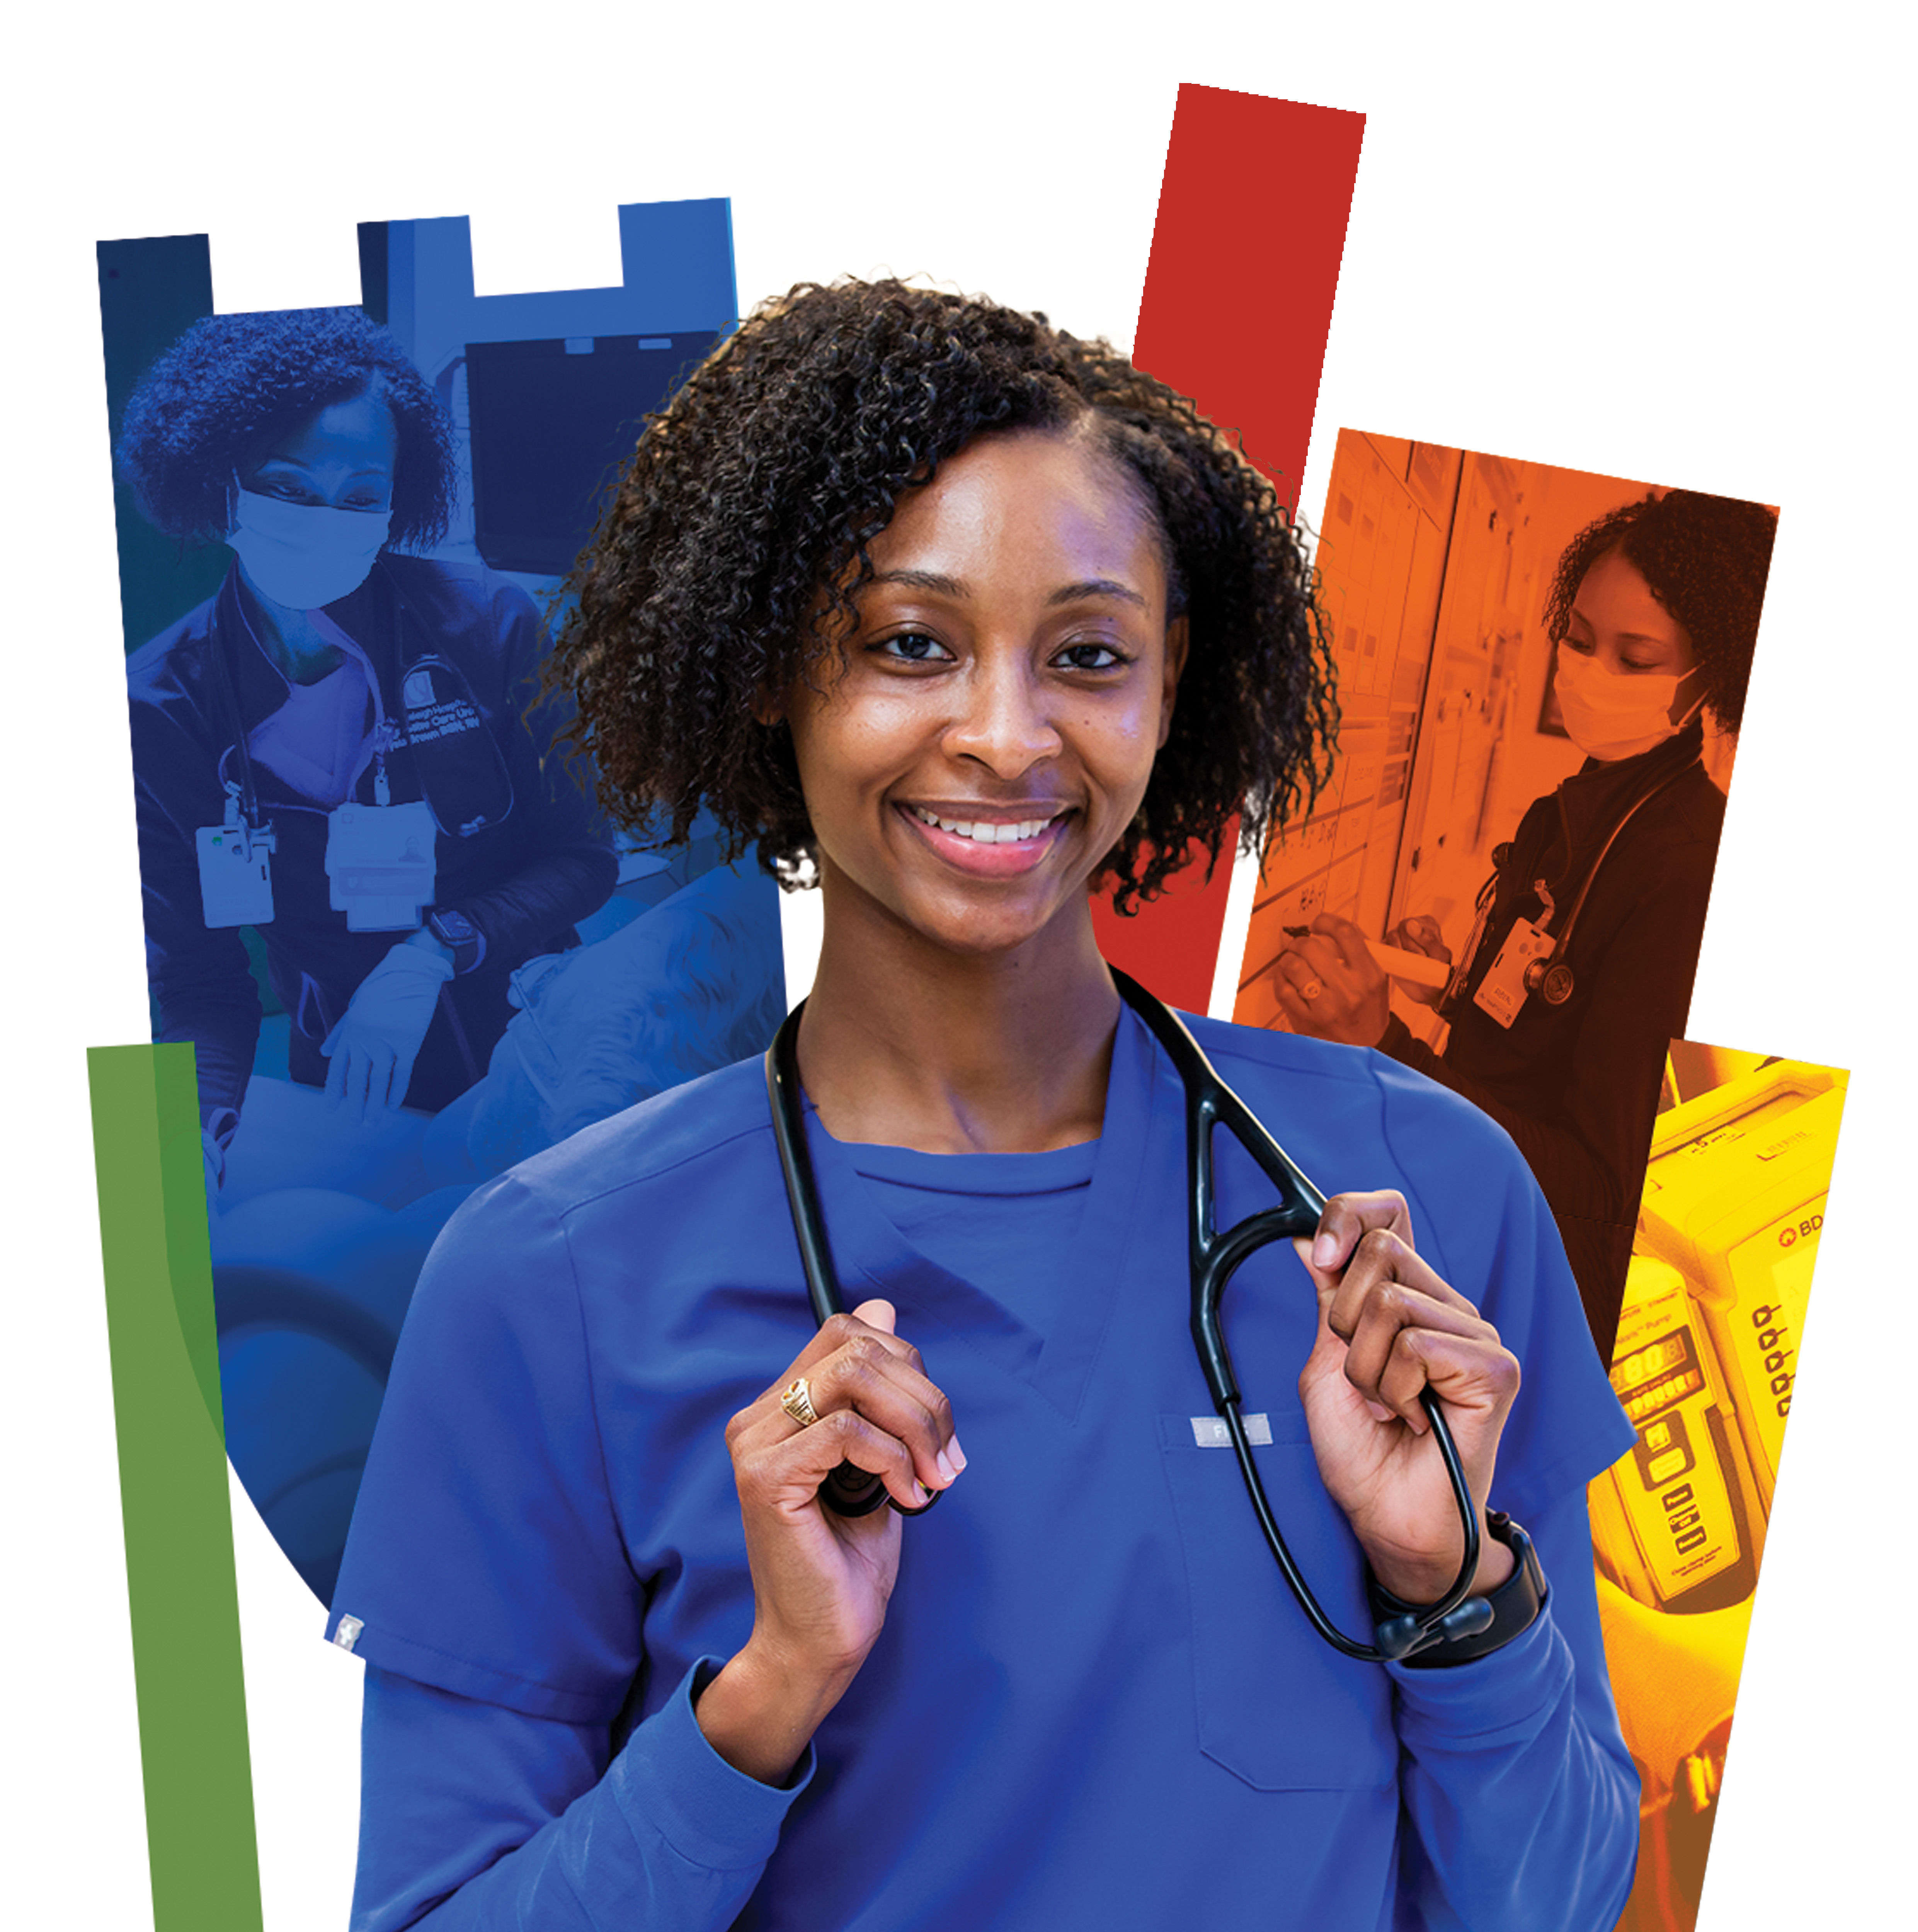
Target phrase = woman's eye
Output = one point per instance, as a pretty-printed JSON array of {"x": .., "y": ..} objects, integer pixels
[
  {"x": 912, "y": 647},
  {"x": 1578, "y": 644},
  {"x": 1092, "y": 656}
]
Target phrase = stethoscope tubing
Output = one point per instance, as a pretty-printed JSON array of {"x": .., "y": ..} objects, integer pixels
[
  {"x": 849, "y": 1491},
  {"x": 1552, "y": 974},
  {"x": 1214, "y": 1257}
]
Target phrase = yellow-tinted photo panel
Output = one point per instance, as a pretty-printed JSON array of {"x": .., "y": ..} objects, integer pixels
[{"x": 1715, "y": 1301}]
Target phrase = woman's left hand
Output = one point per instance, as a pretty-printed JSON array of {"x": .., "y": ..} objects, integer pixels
[
  {"x": 1328, "y": 985},
  {"x": 1388, "y": 1327}
]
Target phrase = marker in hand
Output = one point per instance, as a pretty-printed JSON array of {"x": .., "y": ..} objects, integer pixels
[{"x": 1396, "y": 963}]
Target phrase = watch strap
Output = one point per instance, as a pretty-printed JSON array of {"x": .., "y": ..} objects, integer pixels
[
  {"x": 1515, "y": 1604},
  {"x": 459, "y": 935}
]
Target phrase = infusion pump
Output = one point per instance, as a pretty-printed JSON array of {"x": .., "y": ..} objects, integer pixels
[{"x": 1708, "y": 1338}]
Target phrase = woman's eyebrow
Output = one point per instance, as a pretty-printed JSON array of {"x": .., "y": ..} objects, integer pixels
[
  {"x": 1097, "y": 587},
  {"x": 942, "y": 586},
  {"x": 923, "y": 579},
  {"x": 378, "y": 469},
  {"x": 1578, "y": 617}
]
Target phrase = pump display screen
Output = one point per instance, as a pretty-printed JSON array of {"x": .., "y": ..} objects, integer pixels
[{"x": 1658, "y": 1375}]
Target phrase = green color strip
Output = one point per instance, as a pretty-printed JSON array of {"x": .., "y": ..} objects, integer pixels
[{"x": 181, "y": 1588}]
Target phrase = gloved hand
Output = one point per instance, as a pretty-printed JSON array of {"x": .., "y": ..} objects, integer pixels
[{"x": 370, "y": 1053}]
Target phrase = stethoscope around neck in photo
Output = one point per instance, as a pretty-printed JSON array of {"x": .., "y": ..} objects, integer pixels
[
  {"x": 1215, "y": 1257},
  {"x": 1533, "y": 958},
  {"x": 379, "y": 858}
]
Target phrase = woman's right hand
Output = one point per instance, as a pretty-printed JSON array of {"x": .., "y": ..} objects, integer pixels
[
  {"x": 1419, "y": 933},
  {"x": 821, "y": 1581},
  {"x": 371, "y": 1052}
]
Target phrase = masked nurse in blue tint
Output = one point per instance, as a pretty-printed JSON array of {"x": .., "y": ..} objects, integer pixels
[
  {"x": 960, "y": 617},
  {"x": 331, "y": 750},
  {"x": 1653, "y": 613}
]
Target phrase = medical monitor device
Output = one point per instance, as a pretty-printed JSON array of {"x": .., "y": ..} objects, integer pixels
[{"x": 1708, "y": 1339}]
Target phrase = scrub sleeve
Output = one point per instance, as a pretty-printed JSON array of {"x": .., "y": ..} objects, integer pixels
[
  {"x": 664, "y": 1833},
  {"x": 1093, "y": 1699}
]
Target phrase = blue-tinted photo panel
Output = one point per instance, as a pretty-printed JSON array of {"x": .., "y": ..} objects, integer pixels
[{"x": 379, "y": 900}]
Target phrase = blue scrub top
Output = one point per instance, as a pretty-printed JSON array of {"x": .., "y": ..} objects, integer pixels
[{"x": 1093, "y": 1699}]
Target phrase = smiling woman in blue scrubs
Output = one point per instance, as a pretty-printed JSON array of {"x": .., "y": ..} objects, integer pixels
[{"x": 965, "y": 617}]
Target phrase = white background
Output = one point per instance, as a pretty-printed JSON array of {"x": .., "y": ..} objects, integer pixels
[{"x": 1654, "y": 241}]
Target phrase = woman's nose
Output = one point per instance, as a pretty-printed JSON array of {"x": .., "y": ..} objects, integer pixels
[{"x": 1004, "y": 721}]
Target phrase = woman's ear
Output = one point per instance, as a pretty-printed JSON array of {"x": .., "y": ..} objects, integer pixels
[{"x": 1178, "y": 639}]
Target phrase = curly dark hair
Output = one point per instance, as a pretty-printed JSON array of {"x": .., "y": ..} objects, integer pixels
[
  {"x": 1705, "y": 559},
  {"x": 734, "y": 549},
  {"x": 233, "y": 385}
]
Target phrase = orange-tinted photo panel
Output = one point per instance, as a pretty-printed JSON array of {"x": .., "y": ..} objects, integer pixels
[{"x": 1504, "y": 882}]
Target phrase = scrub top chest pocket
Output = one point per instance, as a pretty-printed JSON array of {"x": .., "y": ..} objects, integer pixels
[{"x": 1275, "y": 1706}]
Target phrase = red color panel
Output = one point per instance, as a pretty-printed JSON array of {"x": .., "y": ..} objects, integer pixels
[{"x": 1238, "y": 301}]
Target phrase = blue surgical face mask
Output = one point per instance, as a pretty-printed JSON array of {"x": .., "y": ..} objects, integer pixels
[{"x": 301, "y": 556}]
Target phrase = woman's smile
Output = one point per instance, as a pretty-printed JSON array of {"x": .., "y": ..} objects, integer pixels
[
  {"x": 1005, "y": 683},
  {"x": 987, "y": 844}
]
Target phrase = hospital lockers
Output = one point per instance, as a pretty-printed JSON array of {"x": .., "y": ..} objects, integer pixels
[{"x": 1431, "y": 565}]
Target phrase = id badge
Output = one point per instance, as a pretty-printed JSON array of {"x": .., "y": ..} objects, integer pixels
[
  {"x": 1501, "y": 992},
  {"x": 380, "y": 865},
  {"x": 235, "y": 874}
]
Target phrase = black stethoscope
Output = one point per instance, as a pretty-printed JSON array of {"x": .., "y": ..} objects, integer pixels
[
  {"x": 1215, "y": 1258},
  {"x": 483, "y": 796},
  {"x": 1551, "y": 974}
]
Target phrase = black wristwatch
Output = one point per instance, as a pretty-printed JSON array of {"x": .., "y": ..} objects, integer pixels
[
  {"x": 458, "y": 935},
  {"x": 1515, "y": 1603}
]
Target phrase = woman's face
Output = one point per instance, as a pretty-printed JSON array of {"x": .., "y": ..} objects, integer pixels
[
  {"x": 1617, "y": 622},
  {"x": 342, "y": 459},
  {"x": 1008, "y": 680}
]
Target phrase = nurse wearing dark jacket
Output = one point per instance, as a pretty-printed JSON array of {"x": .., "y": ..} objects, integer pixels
[
  {"x": 1654, "y": 611},
  {"x": 335, "y": 684},
  {"x": 963, "y": 616}
]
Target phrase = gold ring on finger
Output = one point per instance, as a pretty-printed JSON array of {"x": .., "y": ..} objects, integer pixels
[
  {"x": 1310, "y": 990},
  {"x": 795, "y": 1399}
]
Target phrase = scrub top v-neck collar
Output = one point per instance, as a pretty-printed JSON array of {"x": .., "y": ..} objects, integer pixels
[{"x": 873, "y": 1258}]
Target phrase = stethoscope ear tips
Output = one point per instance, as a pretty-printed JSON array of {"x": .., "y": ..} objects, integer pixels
[
  {"x": 1399, "y": 1636},
  {"x": 1394, "y": 1637}
]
